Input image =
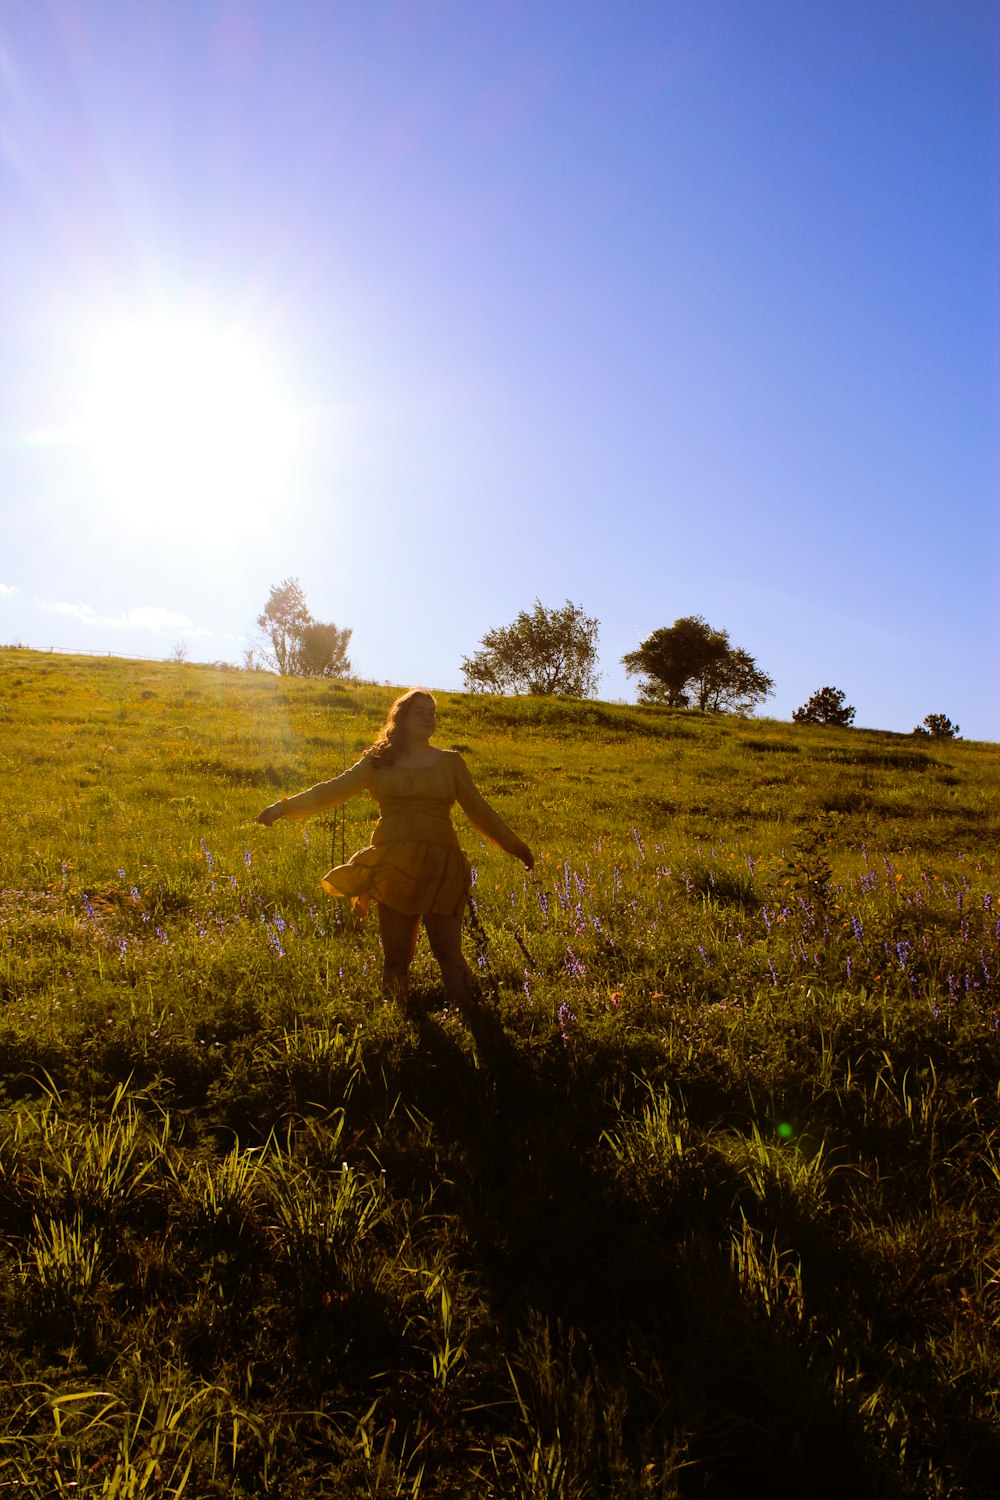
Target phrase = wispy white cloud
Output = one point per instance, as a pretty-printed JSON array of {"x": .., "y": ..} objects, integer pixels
[
  {"x": 8, "y": 589},
  {"x": 142, "y": 617}
]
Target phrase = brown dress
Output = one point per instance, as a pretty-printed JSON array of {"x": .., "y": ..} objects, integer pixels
[{"x": 414, "y": 863}]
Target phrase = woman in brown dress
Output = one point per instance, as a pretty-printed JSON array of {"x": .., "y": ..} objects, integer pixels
[{"x": 414, "y": 869}]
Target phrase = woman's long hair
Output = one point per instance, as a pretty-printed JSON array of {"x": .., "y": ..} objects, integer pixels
[{"x": 384, "y": 749}]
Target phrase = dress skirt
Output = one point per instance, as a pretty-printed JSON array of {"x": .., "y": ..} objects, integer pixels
[{"x": 414, "y": 878}]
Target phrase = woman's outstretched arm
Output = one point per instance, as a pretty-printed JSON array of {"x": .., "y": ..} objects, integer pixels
[
  {"x": 321, "y": 796},
  {"x": 485, "y": 819}
]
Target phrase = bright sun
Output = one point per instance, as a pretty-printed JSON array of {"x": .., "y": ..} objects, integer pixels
[{"x": 187, "y": 430}]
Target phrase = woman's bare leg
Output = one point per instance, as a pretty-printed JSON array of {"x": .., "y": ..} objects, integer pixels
[
  {"x": 445, "y": 934},
  {"x": 399, "y": 941}
]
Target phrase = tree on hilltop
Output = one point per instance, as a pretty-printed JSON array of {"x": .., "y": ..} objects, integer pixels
[
  {"x": 827, "y": 706},
  {"x": 283, "y": 618},
  {"x": 322, "y": 651},
  {"x": 296, "y": 645},
  {"x": 549, "y": 652},
  {"x": 735, "y": 685},
  {"x": 938, "y": 727},
  {"x": 674, "y": 658},
  {"x": 689, "y": 663}
]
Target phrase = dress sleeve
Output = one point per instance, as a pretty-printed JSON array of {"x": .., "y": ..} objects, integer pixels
[
  {"x": 329, "y": 793},
  {"x": 480, "y": 814}
]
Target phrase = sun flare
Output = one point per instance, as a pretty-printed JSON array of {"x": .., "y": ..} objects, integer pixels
[{"x": 187, "y": 429}]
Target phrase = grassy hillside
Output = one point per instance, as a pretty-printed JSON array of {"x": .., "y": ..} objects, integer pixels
[{"x": 702, "y": 1201}]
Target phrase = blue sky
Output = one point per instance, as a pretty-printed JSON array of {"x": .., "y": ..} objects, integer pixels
[{"x": 439, "y": 306}]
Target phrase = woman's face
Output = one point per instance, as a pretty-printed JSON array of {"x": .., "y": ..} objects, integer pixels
[{"x": 420, "y": 718}]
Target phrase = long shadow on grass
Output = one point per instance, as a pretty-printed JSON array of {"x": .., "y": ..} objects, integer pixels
[{"x": 555, "y": 1239}]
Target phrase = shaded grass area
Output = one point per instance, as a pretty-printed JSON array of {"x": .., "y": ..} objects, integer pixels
[
  {"x": 507, "y": 1249},
  {"x": 700, "y": 1199}
]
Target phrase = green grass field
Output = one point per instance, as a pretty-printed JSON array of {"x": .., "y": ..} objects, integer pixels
[{"x": 703, "y": 1201}]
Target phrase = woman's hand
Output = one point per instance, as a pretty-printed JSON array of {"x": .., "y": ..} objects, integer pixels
[{"x": 270, "y": 814}]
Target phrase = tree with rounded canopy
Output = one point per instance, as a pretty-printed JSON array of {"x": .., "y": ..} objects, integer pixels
[
  {"x": 549, "y": 652},
  {"x": 297, "y": 645},
  {"x": 322, "y": 651},
  {"x": 689, "y": 663},
  {"x": 826, "y": 706}
]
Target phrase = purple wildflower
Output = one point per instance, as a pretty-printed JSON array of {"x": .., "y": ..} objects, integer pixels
[
  {"x": 574, "y": 966},
  {"x": 565, "y": 1015}
]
